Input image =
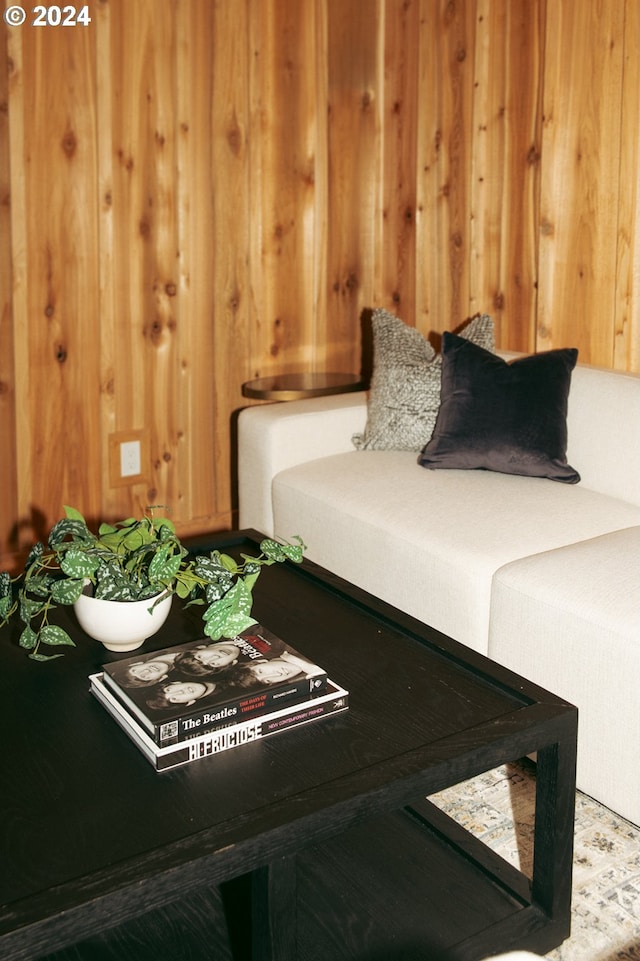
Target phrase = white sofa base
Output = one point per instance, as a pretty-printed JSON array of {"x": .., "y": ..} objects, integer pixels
[{"x": 568, "y": 620}]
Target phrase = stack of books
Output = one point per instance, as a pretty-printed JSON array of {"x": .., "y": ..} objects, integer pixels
[{"x": 188, "y": 702}]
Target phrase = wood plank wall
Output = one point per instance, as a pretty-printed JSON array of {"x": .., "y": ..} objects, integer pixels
[{"x": 197, "y": 192}]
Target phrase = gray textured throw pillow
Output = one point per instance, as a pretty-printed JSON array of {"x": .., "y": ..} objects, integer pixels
[{"x": 404, "y": 397}]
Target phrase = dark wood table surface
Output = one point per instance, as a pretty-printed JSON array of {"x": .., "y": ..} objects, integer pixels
[{"x": 315, "y": 844}]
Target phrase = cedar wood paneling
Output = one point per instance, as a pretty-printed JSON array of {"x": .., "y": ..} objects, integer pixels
[{"x": 194, "y": 193}]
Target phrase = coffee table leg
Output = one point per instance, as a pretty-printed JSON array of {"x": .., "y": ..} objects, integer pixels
[
  {"x": 555, "y": 811},
  {"x": 273, "y": 911}
]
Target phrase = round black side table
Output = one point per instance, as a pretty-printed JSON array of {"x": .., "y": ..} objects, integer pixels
[{"x": 301, "y": 385}]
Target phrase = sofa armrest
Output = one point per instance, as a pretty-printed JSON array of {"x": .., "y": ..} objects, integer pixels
[{"x": 273, "y": 437}]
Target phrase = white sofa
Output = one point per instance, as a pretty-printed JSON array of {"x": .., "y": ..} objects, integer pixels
[{"x": 541, "y": 576}]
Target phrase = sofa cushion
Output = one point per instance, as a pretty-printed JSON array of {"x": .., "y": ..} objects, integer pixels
[
  {"x": 499, "y": 416},
  {"x": 405, "y": 385},
  {"x": 569, "y": 620},
  {"x": 429, "y": 542}
]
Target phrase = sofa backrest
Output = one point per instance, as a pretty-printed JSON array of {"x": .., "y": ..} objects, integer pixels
[{"x": 603, "y": 425}]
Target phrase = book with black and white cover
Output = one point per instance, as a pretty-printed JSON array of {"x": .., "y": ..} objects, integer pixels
[
  {"x": 334, "y": 700},
  {"x": 182, "y": 691}
]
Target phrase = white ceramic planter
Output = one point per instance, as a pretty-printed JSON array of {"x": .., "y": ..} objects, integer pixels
[{"x": 121, "y": 625}]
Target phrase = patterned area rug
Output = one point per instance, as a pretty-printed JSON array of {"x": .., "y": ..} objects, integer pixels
[{"x": 605, "y": 922}]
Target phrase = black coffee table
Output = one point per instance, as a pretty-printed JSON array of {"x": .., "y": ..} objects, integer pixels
[{"x": 320, "y": 842}]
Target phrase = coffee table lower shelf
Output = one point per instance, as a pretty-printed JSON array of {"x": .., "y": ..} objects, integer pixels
[{"x": 407, "y": 886}]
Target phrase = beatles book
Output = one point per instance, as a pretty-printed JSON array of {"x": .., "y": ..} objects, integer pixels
[
  {"x": 334, "y": 700},
  {"x": 183, "y": 691}
]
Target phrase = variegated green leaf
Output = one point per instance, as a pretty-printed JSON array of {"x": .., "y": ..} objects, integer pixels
[
  {"x": 208, "y": 567},
  {"x": 235, "y": 624},
  {"x": 40, "y": 586},
  {"x": 29, "y": 608},
  {"x": 164, "y": 567},
  {"x": 66, "y": 592},
  {"x": 77, "y": 564},
  {"x": 293, "y": 552},
  {"x": 117, "y": 592},
  {"x": 272, "y": 549},
  {"x": 233, "y": 608},
  {"x": 55, "y": 636},
  {"x": 28, "y": 639}
]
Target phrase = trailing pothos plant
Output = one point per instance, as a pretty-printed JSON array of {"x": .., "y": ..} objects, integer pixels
[{"x": 132, "y": 560}]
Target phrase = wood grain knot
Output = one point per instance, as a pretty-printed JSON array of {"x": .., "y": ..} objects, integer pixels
[
  {"x": 170, "y": 289},
  {"x": 126, "y": 162},
  {"x": 61, "y": 353},
  {"x": 49, "y": 310},
  {"x": 69, "y": 144},
  {"x": 234, "y": 139},
  {"x": 153, "y": 332}
]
